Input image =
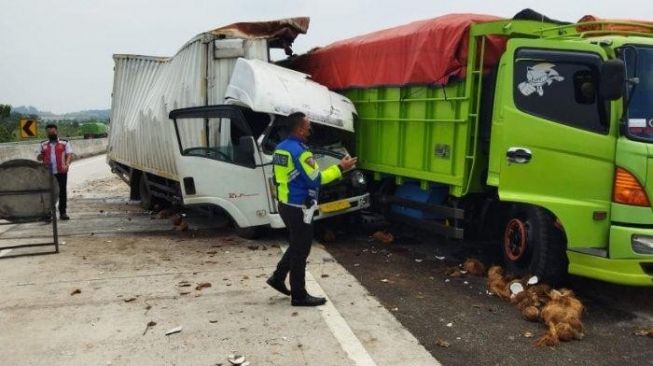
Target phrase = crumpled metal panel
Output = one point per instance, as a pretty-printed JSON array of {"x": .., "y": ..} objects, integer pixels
[{"x": 145, "y": 90}]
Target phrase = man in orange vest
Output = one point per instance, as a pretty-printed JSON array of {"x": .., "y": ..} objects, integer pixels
[{"x": 56, "y": 155}]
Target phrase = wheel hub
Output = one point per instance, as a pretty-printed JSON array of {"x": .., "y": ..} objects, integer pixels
[{"x": 515, "y": 240}]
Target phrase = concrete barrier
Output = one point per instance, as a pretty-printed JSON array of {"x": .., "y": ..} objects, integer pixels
[{"x": 28, "y": 150}]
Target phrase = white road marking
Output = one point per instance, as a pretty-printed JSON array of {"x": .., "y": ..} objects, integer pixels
[{"x": 338, "y": 325}]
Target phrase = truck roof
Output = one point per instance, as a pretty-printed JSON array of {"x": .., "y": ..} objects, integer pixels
[
  {"x": 281, "y": 33},
  {"x": 269, "y": 88}
]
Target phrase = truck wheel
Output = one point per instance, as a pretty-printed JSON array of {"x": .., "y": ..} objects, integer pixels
[
  {"x": 251, "y": 232},
  {"x": 146, "y": 198},
  {"x": 533, "y": 245}
]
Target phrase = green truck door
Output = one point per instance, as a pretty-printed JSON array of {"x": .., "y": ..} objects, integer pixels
[{"x": 552, "y": 145}]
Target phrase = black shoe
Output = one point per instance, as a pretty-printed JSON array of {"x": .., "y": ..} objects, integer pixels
[
  {"x": 63, "y": 216},
  {"x": 278, "y": 285},
  {"x": 308, "y": 300}
]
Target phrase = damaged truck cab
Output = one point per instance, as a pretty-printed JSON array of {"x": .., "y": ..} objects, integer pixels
[
  {"x": 225, "y": 151},
  {"x": 197, "y": 129}
]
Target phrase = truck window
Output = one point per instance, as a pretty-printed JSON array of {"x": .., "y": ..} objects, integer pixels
[
  {"x": 213, "y": 138},
  {"x": 561, "y": 87}
]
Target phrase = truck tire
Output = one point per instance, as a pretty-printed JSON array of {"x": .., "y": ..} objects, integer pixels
[
  {"x": 251, "y": 232},
  {"x": 147, "y": 203},
  {"x": 533, "y": 245}
]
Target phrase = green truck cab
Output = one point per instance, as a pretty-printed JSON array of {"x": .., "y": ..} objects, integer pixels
[{"x": 551, "y": 150}]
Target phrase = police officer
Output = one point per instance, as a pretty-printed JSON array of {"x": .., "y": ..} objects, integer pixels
[
  {"x": 298, "y": 179},
  {"x": 56, "y": 155}
]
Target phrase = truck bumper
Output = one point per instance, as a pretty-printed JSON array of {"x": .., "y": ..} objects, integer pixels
[
  {"x": 623, "y": 265},
  {"x": 356, "y": 203}
]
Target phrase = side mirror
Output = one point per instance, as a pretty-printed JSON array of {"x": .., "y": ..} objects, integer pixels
[
  {"x": 613, "y": 77},
  {"x": 244, "y": 152}
]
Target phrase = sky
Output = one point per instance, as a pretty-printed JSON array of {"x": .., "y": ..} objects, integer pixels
[{"x": 57, "y": 55}]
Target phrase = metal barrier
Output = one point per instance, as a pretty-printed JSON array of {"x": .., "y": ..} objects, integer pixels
[{"x": 28, "y": 193}]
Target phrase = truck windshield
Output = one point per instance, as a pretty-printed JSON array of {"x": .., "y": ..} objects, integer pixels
[{"x": 639, "y": 64}]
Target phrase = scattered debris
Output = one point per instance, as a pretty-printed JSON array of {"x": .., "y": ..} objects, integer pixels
[
  {"x": 562, "y": 315},
  {"x": 129, "y": 299},
  {"x": 645, "y": 332},
  {"x": 395, "y": 309},
  {"x": 516, "y": 288},
  {"x": 76, "y": 292},
  {"x": 165, "y": 213},
  {"x": 419, "y": 260},
  {"x": 454, "y": 272},
  {"x": 442, "y": 343},
  {"x": 383, "y": 237},
  {"x": 174, "y": 330},
  {"x": 449, "y": 325},
  {"x": 182, "y": 227},
  {"x": 329, "y": 236},
  {"x": 149, "y": 325},
  {"x": 533, "y": 281},
  {"x": 324, "y": 275},
  {"x": 202, "y": 285},
  {"x": 439, "y": 258},
  {"x": 528, "y": 335},
  {"x": 213, "y": 321},
  {"x": 237, "y": 360},
  {"x": 294, "y": 313},
  {"x": 385, "y": 280},
  {"x": 184, "y": 293},
  {"x": 184, "y": 284},
  {"x": 497, "y": 283},
  {"x": 177, "y": 220},
  {"x": 474, "y": 267}
]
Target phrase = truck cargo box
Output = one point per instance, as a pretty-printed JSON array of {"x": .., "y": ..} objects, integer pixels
[{"x": 416, "y": 116}]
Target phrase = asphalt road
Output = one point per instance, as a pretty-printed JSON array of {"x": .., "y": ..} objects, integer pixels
[{"x": 408, "y": 277}]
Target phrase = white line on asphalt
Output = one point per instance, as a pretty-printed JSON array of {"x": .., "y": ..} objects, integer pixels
[{"x": 338, "y": 325}]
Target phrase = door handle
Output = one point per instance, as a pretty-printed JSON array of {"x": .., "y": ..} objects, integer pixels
[{"x": 519, "y": 155}]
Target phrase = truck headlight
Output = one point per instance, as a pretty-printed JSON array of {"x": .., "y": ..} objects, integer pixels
[
  {"x": 358, "y": 179},
  {"x": 642, "y": 244}
]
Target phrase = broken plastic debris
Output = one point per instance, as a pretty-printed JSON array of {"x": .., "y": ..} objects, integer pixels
[
  {"x": 385, "y": 280},
  {"x": 528, "y": 335},
  {"x": 465, "y": 282},
  {"x": 449, "y": 325},
  {"x": 419, "y": 260},
  {"x": 174, "y": 330},
  {"x": 439, "y": 258},
  {"x": 533, "y": 281}
]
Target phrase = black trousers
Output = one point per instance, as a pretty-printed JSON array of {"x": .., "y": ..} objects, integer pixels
[
  {"x": 62, "y": 179},
  {"x": 294, "y": 259}
]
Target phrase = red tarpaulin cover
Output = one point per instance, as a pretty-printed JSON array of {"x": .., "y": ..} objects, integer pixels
[{"x": 429, "y": 51}]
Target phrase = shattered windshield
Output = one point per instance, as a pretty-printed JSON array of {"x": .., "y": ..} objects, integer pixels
[{"x": 639, "y": 64}]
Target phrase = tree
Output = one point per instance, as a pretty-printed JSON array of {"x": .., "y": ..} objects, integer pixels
[{"x": 5, "y": 110}]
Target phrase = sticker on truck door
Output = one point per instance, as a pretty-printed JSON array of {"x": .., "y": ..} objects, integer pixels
[{"x": 537, "y": 77}]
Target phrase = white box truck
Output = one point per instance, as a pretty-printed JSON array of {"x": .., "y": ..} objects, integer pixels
[{"x": 198, "y": 129}]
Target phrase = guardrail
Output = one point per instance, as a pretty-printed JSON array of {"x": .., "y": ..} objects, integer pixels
[{"x": 29, "y": 149}]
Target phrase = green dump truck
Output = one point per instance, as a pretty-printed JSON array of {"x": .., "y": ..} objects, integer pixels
[
  {"x": 537, "y": 131},
  {"x": 93, "y": 130}
]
